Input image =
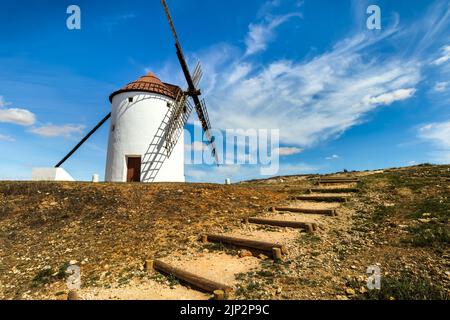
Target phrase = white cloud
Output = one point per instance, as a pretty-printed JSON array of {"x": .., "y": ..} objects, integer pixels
[
  {"x": 287, "y": 151},
  {"x": 51, "y": 131},
  {"x": 6, "y": 138},
  {"x": 310, "y": 100},
  {"x": 333, "y": 157},
  {"x": 444, "y": 57},
  {"x": 259, "y": 35},
  {"x": 267, "y": 7},
  {"x": 17, "y": 116},
  {"x": 319, "y": 97},
  {"x": 437, "y": 133},
  {"x": 391, "y": 97},
  {"x": 239, "y": 72},
  {"x": 196, "y": 146},
  {"x": 441, "y": 86}
]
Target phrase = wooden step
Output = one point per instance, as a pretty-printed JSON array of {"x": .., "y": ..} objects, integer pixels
[
  {"x": 273, "y": 249},
  {"x": 334, "y": 190},
  {"x": 187, "y": 277},
  {"x": 320, "y": 198},
  {"x": 329, "y": 212},
  {"x": 308, "y": 226}
]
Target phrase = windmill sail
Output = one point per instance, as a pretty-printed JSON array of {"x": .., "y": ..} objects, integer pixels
[
  {"x": 180, "y": 115},
  {"x": 197, "y": 75},
  {"x": 192, "y": 82}
]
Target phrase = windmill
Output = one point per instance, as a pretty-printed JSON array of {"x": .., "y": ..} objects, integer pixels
[{"x": 145, "y": 105}]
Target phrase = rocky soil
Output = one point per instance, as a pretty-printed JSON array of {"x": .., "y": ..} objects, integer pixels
[{"x": 398, "y": 222}]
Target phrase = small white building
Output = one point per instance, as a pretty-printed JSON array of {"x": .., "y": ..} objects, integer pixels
[
  {"x": 50, "y": 174},
  {"x": 138, "y": 110}
]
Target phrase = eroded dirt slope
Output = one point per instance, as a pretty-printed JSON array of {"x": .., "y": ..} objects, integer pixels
[
  {"x": 398, "y": 221},
  {"x": 111, "y": 229}
]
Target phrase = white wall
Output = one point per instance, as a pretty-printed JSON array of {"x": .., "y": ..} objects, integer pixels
[
  {"x": 50, "y": 174},
  {"x": 135, "y": 125}
]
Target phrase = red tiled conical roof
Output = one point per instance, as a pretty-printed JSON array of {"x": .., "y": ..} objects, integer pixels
[{"x": 149, "y": 83}]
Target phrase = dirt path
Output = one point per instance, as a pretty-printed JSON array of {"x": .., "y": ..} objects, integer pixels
[{"x": 218, "y": 264}]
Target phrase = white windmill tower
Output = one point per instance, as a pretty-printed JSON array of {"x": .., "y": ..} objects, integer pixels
[
  {"x": 146, "y": 141},
  {"x": 141, "y": 112}
]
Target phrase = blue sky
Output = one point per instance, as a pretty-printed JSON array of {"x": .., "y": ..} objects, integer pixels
[{"x": 342, "y": 96}]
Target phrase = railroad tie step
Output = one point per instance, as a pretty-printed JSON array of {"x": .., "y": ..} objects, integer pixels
[
  {"x": 276, "y": 250},
  {"x": 307, "y": 226},
  {"x": 320, "y": 198},
  {"x": 219, "y": 290},
  {"x": 328, "y": 212}
]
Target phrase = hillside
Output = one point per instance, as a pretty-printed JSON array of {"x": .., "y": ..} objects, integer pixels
[{"x": 398, "y": 221}]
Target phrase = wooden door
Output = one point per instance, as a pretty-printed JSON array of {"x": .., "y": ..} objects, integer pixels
[{"x": 134, "y": 169}]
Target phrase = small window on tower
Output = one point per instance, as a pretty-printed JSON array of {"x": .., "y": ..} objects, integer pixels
[
  {"x": 113, "y": 127},
  {"x": 130, "y": 99}
]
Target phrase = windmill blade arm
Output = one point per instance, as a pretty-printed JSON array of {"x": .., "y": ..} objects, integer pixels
[
  {"x": 202, "y": 113},
  {"x": 83, "y": 140},
  {"x": 172, "y": 26},
  {"x": 192, "y": 89},
  {"x": 180, "y": 55}
]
